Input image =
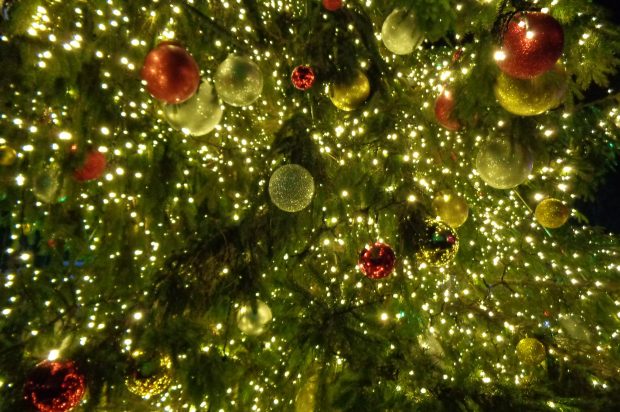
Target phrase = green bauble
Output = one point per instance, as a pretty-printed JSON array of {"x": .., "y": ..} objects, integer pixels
[
  {"x": 253, "y": 322},
  {"x": 238, "y": 81},
  {"x": 291, "y": 188},
  {"x": 438, "y": 243},
  {"x": 198, "y": 115},
  {"x": 530, "y": 97},
  {"x": 400, "y": 32},
  {"x": 530, "y": 351},
  {"x": 504, "y": 165}
]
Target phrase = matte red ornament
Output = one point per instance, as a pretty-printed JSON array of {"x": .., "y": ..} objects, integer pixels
[
  {"x": 55, "y": 386},
  {"x": 92, "y": 168},
  {"x": 532, "y": 44},
  {"x": 303, "y": 77},
  {"x": 171, "y": 73},
  {"x": 332, "y": 5},
  {"x": 444, "y": 105},
  {"x": 377, "y": 261}
]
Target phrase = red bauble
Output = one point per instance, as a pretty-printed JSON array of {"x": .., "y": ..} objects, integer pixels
[
  {"x": 377, "y": 261},
  {"x": 171, "y": 73},
  {"x": 332, "y": 5},
  {"x": 532, "y": 44},
  {"x": 92, "y": 168},
  {"x": 55, "y": 386},
  {"x": 443, "y": 111},
  {"x": 303, "y": 77}
]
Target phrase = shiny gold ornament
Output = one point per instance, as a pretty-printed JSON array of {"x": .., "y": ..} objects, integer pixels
[
  {"x": 438, "y": 243},
  {"x": 350, "y": 93},
  {"x": 551, "y": 213},
  {"x": 253, "y": 322},
  {"x": 531, "y": 97},
  {"x": 7, "y": 155},
  {"x": 450, "y": 208},
  {"x": 149, "y": 376},
  {"x": 531, "y": 351}
]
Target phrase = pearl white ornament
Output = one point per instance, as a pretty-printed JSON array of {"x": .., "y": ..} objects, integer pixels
[
  {"x": 400, "y": 33},
  {"x": 197, "y": 116}
]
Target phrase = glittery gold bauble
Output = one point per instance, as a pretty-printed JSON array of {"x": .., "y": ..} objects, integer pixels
[
  {"x": 531, "y": 351},
  {"x": 551, "y": 213},
  {"x": 350, "y": 93},
  {"x": 7, "y": 155},
  {"x": 149, "y": 376},
  {"x": 503, "y": 164},
  {"x": 438, "y": 243},
  {"x": 253, "y": 321},
  {"x": 450, "y": 208},
  {"x": 530, "y": 97},
  {"x": 291, "y": 188}
]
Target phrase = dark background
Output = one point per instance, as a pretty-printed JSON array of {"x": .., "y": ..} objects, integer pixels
[{"x": 603, "y": 211}]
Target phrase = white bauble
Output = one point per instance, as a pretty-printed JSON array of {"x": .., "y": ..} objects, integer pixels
[
  {"x": 503, "y": 164},
  {"x": 198, "y": 115},
  {"x": 400, "y": 33},
  {"x": 238, "y": 81},
  {"x": 252, "y": 322}
]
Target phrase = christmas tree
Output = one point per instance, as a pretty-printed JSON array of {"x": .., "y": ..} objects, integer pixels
[{"x": 304, "y": 205}]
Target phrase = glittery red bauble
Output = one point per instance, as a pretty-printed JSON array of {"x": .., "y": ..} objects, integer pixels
[
  {"x": 377, "y": 261},
  {"x": 443, "y": 111},
  {"x": 92, "y": 168},
  {"x": 332, "y": 5},
  {"x": 54, "y": 386},
  {"x": 171, "y": 73},
  {"x": 303, "y": 77},
  {"x": 532, "y": 44}
]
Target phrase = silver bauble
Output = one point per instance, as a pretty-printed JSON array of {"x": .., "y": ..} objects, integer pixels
[
  {"x": 252, "y": 322},
  {"x": 291, "y": 188},
  {"x": 198, "y": 115},
  {"x": 400, "y": 33},
  {"x": 503, "y": 164},
  {"x": 238, "y": 81}
]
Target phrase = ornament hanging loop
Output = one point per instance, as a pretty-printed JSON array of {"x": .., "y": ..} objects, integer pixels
[{"x": 503, "y": 17}]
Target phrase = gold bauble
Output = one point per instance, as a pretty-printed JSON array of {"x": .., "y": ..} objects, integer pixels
[
  {"x": 7, "y": 155},
  {"x": 531, "y": 351},
  {"x": 530, "y": 97},
  {"x": 438, "y": 243},
  {"x": 350, "y": 93},
  {"x": 552, "y": 213},
  {"x": 155, "y": 380},
  {"x": 450, "y": 208},
  {"x": 253, "y": 321}
]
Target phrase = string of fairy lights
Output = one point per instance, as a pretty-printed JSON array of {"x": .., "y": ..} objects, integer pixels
[{"x": 468, "y": 308}]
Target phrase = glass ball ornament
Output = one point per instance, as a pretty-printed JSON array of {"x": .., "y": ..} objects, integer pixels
[
  {"x": 253, "y": 321},
  {"x": 350, "y": 92},
  {"x": 303, "y": 77},
  {"x": 531, "y": 45},
  {"x": 503, "y": 164},
  {"x": 551, "y": 213},
  {"x": 332, "y": 5},
  {"x": 377, "y": 261},
  {"x": 238, "y": 81},
  {"x": 46, "y": 185},
  {"x": 55, "y": 386},
  {"x": 148, "y": 375},
  {"x": 531, "y": 97},
  {"x": 291, "y": 188},
  {"x": 450, "y": 208},
  {"x": 438, "y": 243},
  {"x": 444, "y": 107},
  {"x": 197, "y": 116},
  {"x": 171, "y": 73},
  {"x": 531, "y": 351},
  {"x": 7, "y": 155},
  {"x": 400, "y": 33}
]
